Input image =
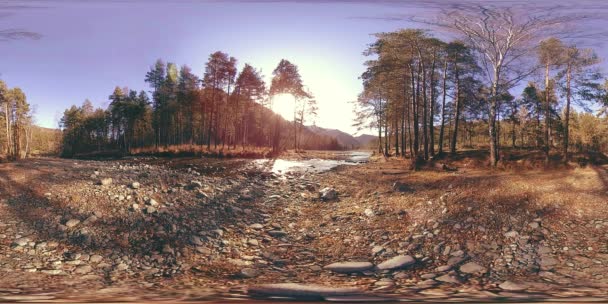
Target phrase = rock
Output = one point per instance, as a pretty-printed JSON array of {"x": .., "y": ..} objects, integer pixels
[
  {"x": 446, "y": 278},
  {"x": 349, "y": 267},
  {"x": 301, "y": 291},
  {"x": 547, "y": 263},
  {"x": 195, "y": 184},
  {"x": 21, "y": 241},
  {"x": 72, "y": 222},
  {"x": 369, "y": 212},
  {"x": 195, "y": 240},
  {"x": 91, "y": 219},
  {"x": 83, "y": 269},
  {"x": 167, "y": 249},
  {"x": 511, "y": 234},
  {"x": 256, "y": 226},
  {"x": 152, "y": 202},
  {"x": 150, "y": 210},
  {"x": 444, "y": 268},
  {"x": 472, "y": 268},
  {"x": 105, "y": 181},
  {"x": 249, "y": 273},
  {"x": 135, "y": 185},
  {"x": 253, "y": 242},
  {"x": 512, "y": 286},
  {"x": 397, "y": 262},
  {"x": 401, "y": 187},
  {"x": 95, "y": 258},
  {"x": 277, "y": 233},
  {"x": 52, "y": 271},
  {"x": 328, "y": 194},
  {"x": 377, "y": 250}
]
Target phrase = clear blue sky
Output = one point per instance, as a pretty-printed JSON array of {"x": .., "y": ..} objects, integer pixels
[{"x": 89, "y": 47}]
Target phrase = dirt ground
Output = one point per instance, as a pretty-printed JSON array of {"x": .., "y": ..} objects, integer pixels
[{"x": 205, "y": 229}]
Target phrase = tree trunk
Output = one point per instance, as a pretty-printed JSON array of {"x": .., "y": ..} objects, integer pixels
[
  {"x": 444, "y": 93},
  {"x": 547, "y": 115},
  {"x": 415, "y": 110},
  {"x": 492, "y": 122},
  {"x": 432, "y": 109},
  {"x": 567, "y": 114},
  {"x": 457, "y": 111}
]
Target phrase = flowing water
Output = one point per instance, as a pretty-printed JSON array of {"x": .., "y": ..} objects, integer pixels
[{"x": 315, "y": 165}]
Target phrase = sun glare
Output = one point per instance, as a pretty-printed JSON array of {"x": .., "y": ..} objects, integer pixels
[{"x": 283, "y": 104}]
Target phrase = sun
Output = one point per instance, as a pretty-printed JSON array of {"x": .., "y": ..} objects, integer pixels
[{"x": 283, "y": 104}]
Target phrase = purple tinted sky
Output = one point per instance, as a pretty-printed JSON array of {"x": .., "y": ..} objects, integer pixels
[{"x": 89, "y": 47}]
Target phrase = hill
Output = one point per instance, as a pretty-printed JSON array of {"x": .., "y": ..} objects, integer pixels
[
  {"x": 365, "y": 139},
  {"x": 344, "y": 139}
]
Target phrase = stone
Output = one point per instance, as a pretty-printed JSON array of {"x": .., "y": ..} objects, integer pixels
[
  {"x": 135, "y": 185},
  {"x": 277, "y": 233},
  {"x": 512, "y": 286},
  {"x": 301, "y": 291},
  {"x": 547, "y": 263},
  {"x": 167, "y": 249},
  {"x": 444, "y": 268},
  {"x": 83, "y": 269},
  {"x": 369, "y": 212},
  {"x": 511, "y": 234},
  {"x": 105, "y": 181},
  {"x": 401, "y": 187},
  {"x": 249, "y": 273},
  {"x": 72, "y": 222},
  {"x": 152, "y": 202},
  {"x": 150, "y": 210},
  {"x": 328, "y": 194},
  {"x": 349, "y": 267},
  {"x": 195, "y": 240},
  {"x": 397, "y": 262},
  {"x": 472, "y": 268},
  {"x": 446, "y": 278},
  {"x": 91, "y": 219},
  {"x": 377, "y": 250},
  {"x": 95, "y": 258},
  {"x": 21, "y": 241},
  {"x": 256, "y": 226},
  {"x": 195, "y": 184}
]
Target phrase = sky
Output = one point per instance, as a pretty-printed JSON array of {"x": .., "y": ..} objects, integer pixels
[{"x": 88, "y": 47}]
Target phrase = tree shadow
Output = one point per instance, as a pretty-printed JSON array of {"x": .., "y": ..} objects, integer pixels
[{"x": 134, "y": 233}]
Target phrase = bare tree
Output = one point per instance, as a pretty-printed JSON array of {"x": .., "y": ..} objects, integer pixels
[{"x": 503, "y": 37}]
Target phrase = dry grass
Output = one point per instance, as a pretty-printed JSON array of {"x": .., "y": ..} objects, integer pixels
[{"x": 198, "y": 150}]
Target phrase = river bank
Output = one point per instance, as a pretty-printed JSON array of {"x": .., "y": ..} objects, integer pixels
[{"x": 213, "y": 229}]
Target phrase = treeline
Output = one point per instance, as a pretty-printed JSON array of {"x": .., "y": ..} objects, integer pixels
[
  {"x": 427, "y": 97},
  {"x": 16, "y": 120},
  {"x": 224, "y": 109}
]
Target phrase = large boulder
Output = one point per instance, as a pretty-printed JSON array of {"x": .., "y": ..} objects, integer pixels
[{"x": 397, "y": 262}]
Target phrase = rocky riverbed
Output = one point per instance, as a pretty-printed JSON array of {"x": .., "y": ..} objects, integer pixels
[{"x": 198, "y": 229}]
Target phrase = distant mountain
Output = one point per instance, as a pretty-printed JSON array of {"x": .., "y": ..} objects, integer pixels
[
  {"x": 365, "y": 139},
  {"x": 344, "y": 139}
]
